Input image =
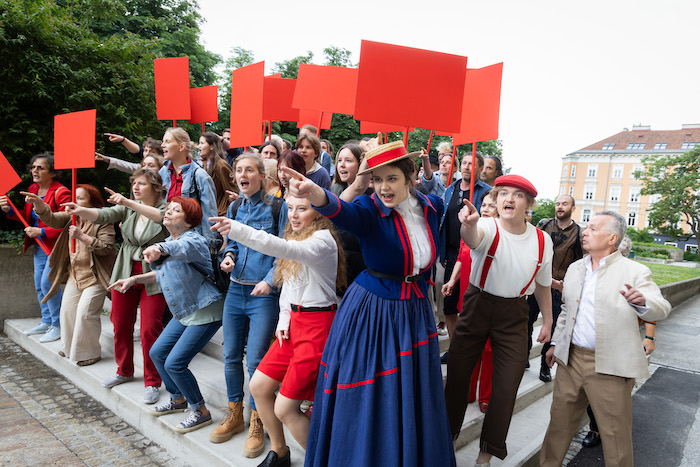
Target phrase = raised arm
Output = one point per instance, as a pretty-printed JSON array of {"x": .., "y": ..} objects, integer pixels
[
  {"x": 56, "y": 220},
  {"x": 470, "y": 232},
  {"x": 130, "y": 146},
  {"x": 151, "y": 213}
]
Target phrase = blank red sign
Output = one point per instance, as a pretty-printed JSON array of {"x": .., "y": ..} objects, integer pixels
[
  {"x": 410, "y": 87},
  {"x": 277, "y": 99},
  {"x": 482, "y": 102},
  {"x": 326, "y": 88},
  {"x": 8, "y": 177},
  {"x": 312, "y": 117},
  {"x": 204, "y": 104},
  {"x": 247, "y": 105},
  {"x": 372, "y": 127},
  {"x": 74, "y": 140},
  {"x": 172, "y": 79}
]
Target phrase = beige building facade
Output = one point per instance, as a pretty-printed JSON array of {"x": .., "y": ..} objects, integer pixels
[{"x": 604, "y": 175}]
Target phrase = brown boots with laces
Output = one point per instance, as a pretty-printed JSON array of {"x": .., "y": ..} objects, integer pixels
[
  {"x": 230, "y": 425},
  {"x": 254, "y": 444}
]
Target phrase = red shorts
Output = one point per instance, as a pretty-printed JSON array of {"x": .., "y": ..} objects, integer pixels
[{"x": 296, "y": 362}]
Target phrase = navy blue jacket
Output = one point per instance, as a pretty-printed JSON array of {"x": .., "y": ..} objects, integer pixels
[{"x": 384, "y": 242}]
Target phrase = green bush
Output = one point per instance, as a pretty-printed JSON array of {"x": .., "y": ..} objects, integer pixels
[
  {"x": 639, "y": 236},
  {"x": 688, "y": 256},
  {"x": 13, "y": 237},
  {"x": 653, "y": 245},
  {"x": 651, "y": 252}
]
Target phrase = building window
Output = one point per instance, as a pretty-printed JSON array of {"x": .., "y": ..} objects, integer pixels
[
  {"x": 660, "y": 145},
  {"x": 615, "y": 193},
  {"x": 636, "y": 146},
  {"x": 632, "y": 219},
  {"x": 562, "y": 190},
  {"x": 573, "y": 170},
  {"x": 637, "y": 171},
  {"x": 571, "y": 191},
  {"x": 689, "y": 145},
  {"x": 608, "y": 146},
  {"x": 586, "y": 216},
  {"x": 617, "y": 171},
  {"x": 592, "y": 170},
  {"x": 563, "y": 171},
  {"x": 654, "y": 199},
  {"x": 634, "y": 194},
  {"x": 589, "y": 192}
]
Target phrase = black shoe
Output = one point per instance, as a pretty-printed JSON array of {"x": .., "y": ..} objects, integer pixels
[
  {"x": 591, "y": 439},
  {"x": 527, "y": 364},
  {"x": 272, "y": 461},
  {"x": 443, "y": 358},
  {"x": 545, "y": 375}
]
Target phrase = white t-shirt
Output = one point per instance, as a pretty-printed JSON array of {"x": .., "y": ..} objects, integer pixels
[{"x": 514, "y": 262}]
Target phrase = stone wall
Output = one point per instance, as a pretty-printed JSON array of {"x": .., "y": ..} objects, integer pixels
[
  {"x": 17, "y": 293},
  {"x": 678, "y": 292}
]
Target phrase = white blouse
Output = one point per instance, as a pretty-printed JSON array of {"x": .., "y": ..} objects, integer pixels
[
  {"x": 414, "y": 218},
  {"x": 318, "y": 256}
]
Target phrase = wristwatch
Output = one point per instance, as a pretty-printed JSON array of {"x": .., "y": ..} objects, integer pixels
[{"x": 650, "y": 338}]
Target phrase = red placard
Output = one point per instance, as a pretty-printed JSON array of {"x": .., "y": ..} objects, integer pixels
[
  {"x": 326, "y": 88},
  {"x": 372, "y": 127},
  {"x": 277, "y": 99},
  {"x": 204, "y": 104},
  {"x": 311, "y": 117},
  {"x": 8, "y": 177},
  {"x": 74, "y": 140},
  {"x": 410, "y": 87},
  {"x": 482, "y": 102},
  {"x": 172, "y": 78},
  {"x": 247, "y": 105}
]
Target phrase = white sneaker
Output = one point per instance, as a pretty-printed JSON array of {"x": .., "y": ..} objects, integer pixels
[
  {"x": 40, "y": 328},
  {"x": 53, "y": 334},
  {"x": 115, "y": 380},
  {"x": 151, "y": 394}
]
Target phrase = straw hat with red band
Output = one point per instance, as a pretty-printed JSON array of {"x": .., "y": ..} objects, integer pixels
[
  {"x": 516, "y": 181},
  {"x": 386, "y": 154}
]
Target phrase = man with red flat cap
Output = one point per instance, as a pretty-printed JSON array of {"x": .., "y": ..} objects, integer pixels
[{"x": 510, "y": 259}]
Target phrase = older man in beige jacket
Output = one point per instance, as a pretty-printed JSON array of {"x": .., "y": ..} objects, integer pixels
[{"x": 596, "y": 343}]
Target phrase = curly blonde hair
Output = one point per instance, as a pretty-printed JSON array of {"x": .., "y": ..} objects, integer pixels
[{"x": 287, "y": 269}]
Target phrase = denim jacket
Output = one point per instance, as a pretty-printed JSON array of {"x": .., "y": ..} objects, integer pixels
[
  {"x": 192, "y": 173},
  {"x": 251, "y": 266},
  {"x": 184, "y": 288}
]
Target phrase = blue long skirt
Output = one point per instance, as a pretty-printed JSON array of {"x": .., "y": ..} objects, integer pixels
[{"x": 379, "y": 397}]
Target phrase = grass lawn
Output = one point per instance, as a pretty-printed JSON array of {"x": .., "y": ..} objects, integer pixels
[{"x": 665, "y": 274}]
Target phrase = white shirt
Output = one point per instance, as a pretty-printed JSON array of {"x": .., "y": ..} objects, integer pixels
[
  {"x": 318, "y": 256},
  {"x": 514, "y": 262},
  {"x": 584, "y": 327},
  {"x": 414, "y": 219}
]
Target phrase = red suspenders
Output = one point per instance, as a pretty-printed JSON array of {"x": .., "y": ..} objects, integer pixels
[{"x": 492, "y": 252}]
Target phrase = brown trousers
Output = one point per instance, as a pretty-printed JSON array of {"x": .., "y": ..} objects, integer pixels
[
  {"x": 504, "y": 320},
  {"x": 576, "y": 385}
]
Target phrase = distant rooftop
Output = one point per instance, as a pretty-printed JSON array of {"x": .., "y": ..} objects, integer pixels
[{"x": 643, "y": 138}]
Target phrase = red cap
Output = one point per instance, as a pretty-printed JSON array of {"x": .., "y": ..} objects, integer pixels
[{"x": 518, "y": 182}]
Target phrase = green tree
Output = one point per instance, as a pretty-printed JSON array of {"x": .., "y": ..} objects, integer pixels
[
  {"x": 675, "y": 179},
  {"x": 543, "y": 209},
  {"x": 290, "y": 68},
  {"x": 337, "y": 56},
  {"x": 639, "y": 236}
]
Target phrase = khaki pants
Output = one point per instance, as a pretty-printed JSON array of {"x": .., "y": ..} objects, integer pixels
[
  {"x": 576, "y": 385},
  {"x": 435, "y": 292},
  {"x": 80, "y": 321},
  {"x": 504, "y": 320}
]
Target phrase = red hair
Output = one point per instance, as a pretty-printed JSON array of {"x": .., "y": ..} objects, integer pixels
[
  {"x": 96, "y": 200},
  {"x": 191, "y": 208}
]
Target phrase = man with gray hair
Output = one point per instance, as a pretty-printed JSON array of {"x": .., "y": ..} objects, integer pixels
[{"x": 596, "y": 343}]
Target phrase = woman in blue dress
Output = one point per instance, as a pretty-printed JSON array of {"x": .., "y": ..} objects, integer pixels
[{"x": 379, "y": 397}]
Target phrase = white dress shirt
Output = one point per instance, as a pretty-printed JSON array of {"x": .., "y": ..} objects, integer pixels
[{"x": 414, "y": 219}]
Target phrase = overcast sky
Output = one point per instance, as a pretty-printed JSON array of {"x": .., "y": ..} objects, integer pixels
[{"x": 573, "y": 73}]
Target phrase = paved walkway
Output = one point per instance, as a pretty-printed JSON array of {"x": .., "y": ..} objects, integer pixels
[{"x": 48, "y": 421}]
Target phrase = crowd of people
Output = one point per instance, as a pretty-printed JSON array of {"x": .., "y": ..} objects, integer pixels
[{"x": 334, "y": 275}]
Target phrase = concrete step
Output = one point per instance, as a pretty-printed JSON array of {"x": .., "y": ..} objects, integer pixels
[{"x": 126, "y": 401}]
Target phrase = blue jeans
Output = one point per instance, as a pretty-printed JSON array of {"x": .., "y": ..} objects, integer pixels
[
  {"x": 246, "y": 317},
  {"x": 51, "y": 310},
  {"x": 172, "y": 353}
]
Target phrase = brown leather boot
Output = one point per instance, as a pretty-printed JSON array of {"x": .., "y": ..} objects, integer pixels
[
  {"x": 254, "y": 444},
  {"x": 230, "y": 425}
]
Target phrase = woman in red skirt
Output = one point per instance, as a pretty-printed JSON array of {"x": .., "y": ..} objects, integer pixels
[{"x": 310, "y": 268}]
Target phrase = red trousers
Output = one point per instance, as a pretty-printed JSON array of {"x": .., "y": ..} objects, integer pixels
[
  {"x": 123, "y": 316},
  {"x": 482, "y": 375}
]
